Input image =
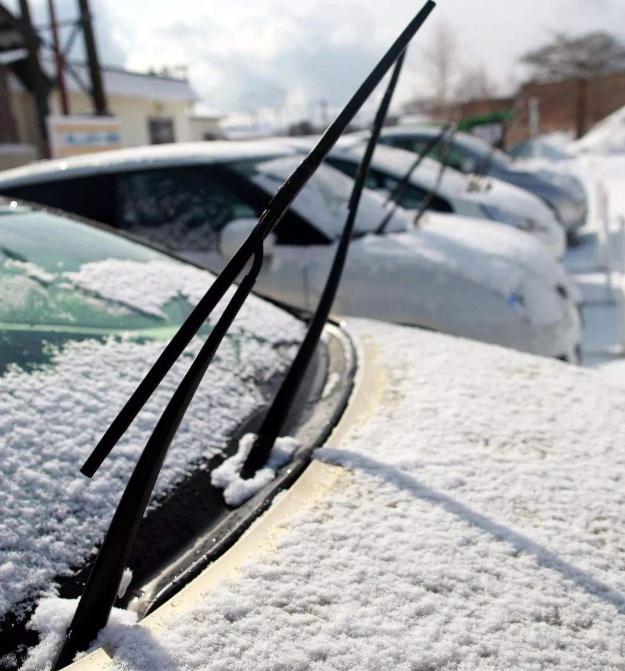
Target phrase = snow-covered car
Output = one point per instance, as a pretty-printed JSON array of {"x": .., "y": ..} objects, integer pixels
[
  {"x": 452, "y": 274},
  {"x": 465, "y": 513},
  {"x": 564, "y": 194},
  {"x": 453, "y": 192},
  {"x": 83, "y": 313}
]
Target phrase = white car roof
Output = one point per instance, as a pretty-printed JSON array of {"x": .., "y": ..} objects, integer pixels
[{"x": 164, "y": 155}]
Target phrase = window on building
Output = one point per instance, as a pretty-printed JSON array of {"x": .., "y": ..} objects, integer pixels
[{"x": 161, "y": 130}]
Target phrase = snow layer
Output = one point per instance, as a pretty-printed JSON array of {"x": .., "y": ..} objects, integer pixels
[
  {"x": 236, "y": 490},
  {"x": 607, "y": 137},
  {"x": 51, "y": 418},
  {"x": 479, "y": 526},
  {"x": 51, "y": 620}
]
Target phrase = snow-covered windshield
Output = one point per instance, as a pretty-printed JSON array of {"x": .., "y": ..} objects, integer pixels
[
  {"x": 323, "y": 201},
  {"x": 482, "y": 150},
  {"x": 83, "y": 314}
]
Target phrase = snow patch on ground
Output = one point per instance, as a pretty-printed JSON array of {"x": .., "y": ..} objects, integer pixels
[
  {"x": 480, "y": 526},
  {"x": 227, "y": 475},
  {"x": 606, "y": 137}
]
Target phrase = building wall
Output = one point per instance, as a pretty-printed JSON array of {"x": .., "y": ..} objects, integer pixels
[
  {"x": 133, "y": 112},
  {"x": 205, "y": 128},
  {"x": 571, "y": 106}
]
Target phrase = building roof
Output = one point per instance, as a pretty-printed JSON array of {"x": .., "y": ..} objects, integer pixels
[{"x": 121, "y": 82}]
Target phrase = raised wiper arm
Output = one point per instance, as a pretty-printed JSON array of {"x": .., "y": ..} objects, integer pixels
[
  {"x": 451, "y": 131},
  {"x": 278, "y": 411},
  {"x": 395, "y": 195},
  {"x": 269, "y": 219}
]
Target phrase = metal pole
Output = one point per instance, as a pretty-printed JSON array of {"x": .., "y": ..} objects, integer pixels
[
  {"x": 38, "y": 81},
  {"x": 58, "y": 55},
  {"x": 97, "y": 88},
  {"x": 534, "y": 118},
  {"x": 621, "y": 286}
]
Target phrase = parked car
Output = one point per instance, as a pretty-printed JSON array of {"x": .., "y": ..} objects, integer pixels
[
  {"x": 83, "y": 313},
  {"x": 453, "y": 192},
  {"x": 465, "y": 513},
  {"x": 564, "y": 194},
  {"x": 452, "y": 274}
]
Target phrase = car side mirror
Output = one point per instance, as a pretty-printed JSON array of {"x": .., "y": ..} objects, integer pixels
[{"x": 235, "y": 232}]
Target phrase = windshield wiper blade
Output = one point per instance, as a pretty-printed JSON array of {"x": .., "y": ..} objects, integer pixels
[
  {"x": 395, "y": 195},
  {"x": 275, "y": 418},
  {"x": 100, "y": 590},
  {"x": 268, "y": 220},
  {"x": 104, "y": 578},
  {"x": 444, "y": 164}
]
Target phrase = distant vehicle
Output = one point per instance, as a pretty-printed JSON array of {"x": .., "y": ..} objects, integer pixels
[
  {"x": 454, "y": 192},
  {"x": 470, "y": 154},
  {"x": 453, "y": 274}
]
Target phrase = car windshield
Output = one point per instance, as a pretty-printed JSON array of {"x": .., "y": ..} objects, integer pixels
[
  {"x": 323, "y": 202},
  {"x": 47, "y": 296},
  {"x": 482, "y": 150},
  {"x": 83, "y": 314}
]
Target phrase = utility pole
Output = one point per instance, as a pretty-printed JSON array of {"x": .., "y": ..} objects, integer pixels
[
  {"x": 534, "y": 123},
  {"x": 95, "y": 74},
  {"x": 58, "y": 55},
  {"x": 39, "y": 82}
]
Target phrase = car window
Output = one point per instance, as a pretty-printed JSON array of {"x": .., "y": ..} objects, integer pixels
[
  {"x": 44, "y": 300},
  {"x": 324, "y": 199},
  {"x": 456, "y": 157},
  {"x": 181, "y": 208},
  {"x": 91, "y": 196},
  {"x": 412, "y": 196}
]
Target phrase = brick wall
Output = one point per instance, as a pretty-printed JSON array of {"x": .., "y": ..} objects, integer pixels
[{"x": 572, "y": 105}]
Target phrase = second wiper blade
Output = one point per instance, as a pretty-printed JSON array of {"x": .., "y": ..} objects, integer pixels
[
  {"x": 395, "y": 195},
  {"x": 268, "y": 220},
  {"x": 278, "y": 411}
]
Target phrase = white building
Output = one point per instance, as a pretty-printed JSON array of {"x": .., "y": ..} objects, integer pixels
[{"x": 151, "y": 109}]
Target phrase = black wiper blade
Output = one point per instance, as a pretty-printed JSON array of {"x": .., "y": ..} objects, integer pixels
[
  {"x": 104, "y": 578},
  {"x": 268, "y": 220},
  {"x": 276, "y": 415},
  {"x": 100, "y": 590},
  {"x": 395, "y": 195},
  {"x": 445, "y": 158}
]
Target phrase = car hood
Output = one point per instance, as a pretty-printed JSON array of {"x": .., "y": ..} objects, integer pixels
[
  {"x": 465, "y": 513},
  {"x": 488, "y": 245},
  {"x": 514, "y": 199}
]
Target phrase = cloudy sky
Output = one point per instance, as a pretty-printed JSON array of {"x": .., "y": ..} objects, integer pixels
[{"x": 288, "y": 55}]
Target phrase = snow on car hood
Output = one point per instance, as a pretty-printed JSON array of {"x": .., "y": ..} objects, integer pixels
[
  {"x": 514, "y": 199},
  {"x": 323, "y": 201},
  {"x": 51, "y": 418},
  {"x": 497, "y": 241},
  {"x": 476, "y": 523}
]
